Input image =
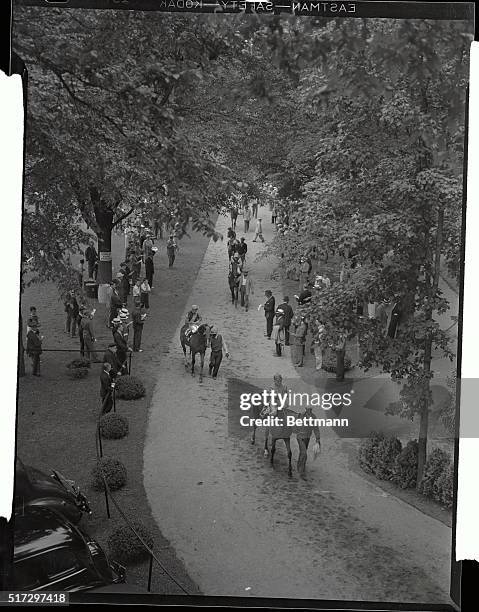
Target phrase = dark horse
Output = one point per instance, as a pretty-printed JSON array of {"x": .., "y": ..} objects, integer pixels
[
  {"x": 277, "y": 432},
  {"x": 197, "y": 341}
]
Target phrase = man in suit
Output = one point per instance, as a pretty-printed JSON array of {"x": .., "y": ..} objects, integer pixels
[
  {"x": 106, "y": 388},
  {"x": 246, "y": 289},
  {"x": 217, "y": 345},
  {"x": 34, "y": 347},
  {"x": 91, "y": 257},
  {"x": 287, "y": 317},
  {"x": 269, "y": 310},
  {"x": 121, "y": 344}
]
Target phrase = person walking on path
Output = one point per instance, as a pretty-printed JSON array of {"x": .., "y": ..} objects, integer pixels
[
  {"x": 107, "y": 386},
  {"x": 88, "y": 335},
  {"x": 138, "y": 319},
  {"x": 303, "y": 436},
  {"x": 145, "y": 291},
  {"x": 269, "y": 309},
  {"x": 254, "y": 207},
  {"x": 288, "y": 317},
  {"x": 242, "y": 249},
  {"x": 234, "y": 277},
  {"x": 300, "y": 330},
  {"x": 171, "y": 250},
  {"x": 91, "y": 257},
  {"x": 217, "y": 344},
  {"x": 246, "y": 289},
  {"x": 278, "y": 332},
  {"x": 234, "y": 216},
  {"x": 246, "y": 218},
  {"x": 259, "y": 231},
  {"x": 34, "y": 347}
]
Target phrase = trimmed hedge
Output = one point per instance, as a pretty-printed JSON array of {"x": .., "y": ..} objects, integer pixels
[
  {"x": 368, "y": 450},
  {"x": 129, "y": 388},
  {"x": 443, "y": 491},
  {"x": 435, "y": 465},
  {"x": 405, "y": 468},
  {"x": 78, "y": 368},
  {"x": 114, "y": 472},
  {"x": 329, "y": 362},
  {"x": 113, "y": 426},
  {"x": 124, "y": 546},
  {"x": 378, "y": 454}
]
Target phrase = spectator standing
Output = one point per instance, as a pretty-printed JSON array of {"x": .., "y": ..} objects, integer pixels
[
  {"x": 288, "y": 317},
  {"x": 107, "y": 386},
  {"x": 138, "y": 319},
  {"x": 68, "y": 312},
  {"x": 34, "y": 347},
  {"x": 147, "y": 247},
  {"x": 145, "y": 291},
  {"x": 91, "y": 257},
  {"x": 81, "y": 272},
  {"x": 149, "y": 269},
  {"x": 269, "y": 310},
  {"x": 278, "y": 331},
  {"x": 88, "y": 335},
  {"x": 32, "y": 318},
  {"x": 318, "y": 343},
  {"x": 81, "y": 316},
  {"x": 75, "y": 314},
  {"x": 110, "y": 357},
  {"x": 115, "y": 300},
  {"x": 121, "y": 344},
  {"x": 300, "y": 330},
  {"x": 234, "y": 216},
  {"x": 136, "y": 291},
  {"x": 254, "y": 207},
  {"x": 217, "y": 344}
]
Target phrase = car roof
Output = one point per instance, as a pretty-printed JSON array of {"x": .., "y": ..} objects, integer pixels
[{"x": 37, "y": 530}]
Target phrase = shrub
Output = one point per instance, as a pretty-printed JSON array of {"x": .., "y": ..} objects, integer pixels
[
  {"x": 385, "y": 457},
  {"x": 113, "y": 426},
  {"x": 329, "y": 362},
  {"x": 405, "y": 468},
  {"x": 129, "y": 388},
  {"x": 77, "y": 373},
  {"x": 443, "y": 489},
  {"x": 114, "y": 472},
  {"x": 434, "y": 467},
  {"x": 368, "y": 449},
  {"x": 124, "y": 545},
  {"x": 81, "y": 362}
]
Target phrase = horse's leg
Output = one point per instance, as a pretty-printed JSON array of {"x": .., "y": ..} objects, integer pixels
[
  {"x": 193, "y": 359},
  {"x": 273, "y": 450},
  {"x": 253, "y": 435},
  {"x": 183, "y": 346},
  {"x": 288, "y": 449},
  {"x": 266, "y": 436},
  {"x": 202, "y": 363}
]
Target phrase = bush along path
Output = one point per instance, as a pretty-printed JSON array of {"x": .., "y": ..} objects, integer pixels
[
  {"x": 57, "y": 413},
  {"x": 244, "y": 528}
]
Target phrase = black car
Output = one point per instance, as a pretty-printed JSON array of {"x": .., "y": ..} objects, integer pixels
[
  {"x": 53, "y": 554},
  {"x": 36, "y": 488}
]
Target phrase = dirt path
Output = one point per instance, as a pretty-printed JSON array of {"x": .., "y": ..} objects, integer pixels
[{"x": 243, "y": 528}]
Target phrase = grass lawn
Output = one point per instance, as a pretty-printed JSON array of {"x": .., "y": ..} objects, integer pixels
[{"x": 57, "y": 415}]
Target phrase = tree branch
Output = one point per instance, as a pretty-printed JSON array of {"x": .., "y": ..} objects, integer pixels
[{"x": 123, "y": 217}]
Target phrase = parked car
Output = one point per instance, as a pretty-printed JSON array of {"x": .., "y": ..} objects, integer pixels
[
  {"x": 36, "y": 488},
  {"x": 53, "y": 554}
]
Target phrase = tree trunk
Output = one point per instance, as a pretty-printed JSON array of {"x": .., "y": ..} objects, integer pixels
[
  {"x": 104, "y": 221},
  {"x": 21, "y": 349},
  {"x": 424, "y": 415}
]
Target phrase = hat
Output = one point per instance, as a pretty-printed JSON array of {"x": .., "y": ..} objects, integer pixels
[
  {"x": 236, "y": 255},
  {"x": 194, "y": 307},
  {"x": 120, "y": 275},
  {"x": 214, "y": 329},
  {"x": 124, "y": 311},
  {"x": 116, "y": 321}
]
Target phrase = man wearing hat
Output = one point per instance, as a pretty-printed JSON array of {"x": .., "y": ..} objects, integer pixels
[
  {"x": 234, "y": 276},
  {"x": 288, "y": 317},
  {"x": 242, "y": 249},
  {"x": 106, "y": 388},
  {"x": 110, "y": 357},
  {"x": 269, "y": 310},
  {"x": 86, "y": 330},
  {"x": 193, "y": 315},
  {"x": 138, "y": 320},
  {"x": 246, "y": 289},
  {"x": 121, "y": 344},
  {"x": 217, "y": 344},
  {"x": 34, "y": 347},
  {"x": 278, "y": 331},
  {"x": 115, "y": 300}
]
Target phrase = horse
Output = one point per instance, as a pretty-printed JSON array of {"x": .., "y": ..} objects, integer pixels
[
  {"x": 197, "y": 341},
  {"x": 277, "y": 432}
]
